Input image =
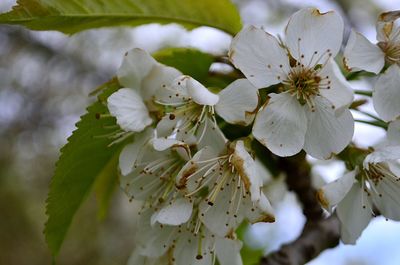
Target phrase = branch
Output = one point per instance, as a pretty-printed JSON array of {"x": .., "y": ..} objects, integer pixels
[
  {"x": 315, "y": 238},
  {"x": 318, "y": 233}
]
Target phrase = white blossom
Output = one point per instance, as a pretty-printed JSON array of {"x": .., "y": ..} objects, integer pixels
[
  {"x": 311, "y": 111},
  {"x": 361, "y": 54},
  {"x": 190, "y": 243},
  {"x": 149, "y": 175},
  {"x": 375, "y": 184},
  {"x": 141, "y": 76},
  {"x": 191, "y": 109},
  {"x": 231, "y": 187}
]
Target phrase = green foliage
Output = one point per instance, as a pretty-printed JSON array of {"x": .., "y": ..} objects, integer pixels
[
  {"x": 250, "y": 256},
  {"x": 191, "y": 62},
  {"x": 76, "y": 15},
  {"x": 85, "y": 157},
  {"x": 196, "y": 64}
]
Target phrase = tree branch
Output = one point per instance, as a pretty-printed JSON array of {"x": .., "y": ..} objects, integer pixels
[
  {"x": 315, "y": 238},
  {"x": 318, "y": 233}
]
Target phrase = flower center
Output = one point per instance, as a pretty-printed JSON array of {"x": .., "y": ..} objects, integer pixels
[
  {"x": 391, "y": 50},
  {"x": 304, "y": 83}
]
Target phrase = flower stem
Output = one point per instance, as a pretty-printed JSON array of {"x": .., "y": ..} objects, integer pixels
[
  {"x": 374, "y": 123},
  {"x": 363, "y": 92}
]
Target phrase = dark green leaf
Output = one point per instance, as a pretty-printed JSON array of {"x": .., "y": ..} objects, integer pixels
[
  {"x": 86, "y": 156},
  {"x": 71, "y": 16}
]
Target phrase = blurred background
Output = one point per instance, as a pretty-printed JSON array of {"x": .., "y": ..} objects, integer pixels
[{"x": 45, "y": 79}]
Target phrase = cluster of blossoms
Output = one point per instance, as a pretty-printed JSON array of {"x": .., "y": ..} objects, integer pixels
[{"x": 197, "y": 187}]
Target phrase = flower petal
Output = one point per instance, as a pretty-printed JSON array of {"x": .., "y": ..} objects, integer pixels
[
  {"x": 387, "y": 153},
  {"x": 393, "y": 132},
  {"x": 354, "y": 216},
  {"x": 388, "y": 201},
  {"x": 127, "y": 106},
  {"x": 185, "y": 179},
  {"x": 327, "y": 133},
  {"x": 136, "y": 66},
  {"x": 137, "y": 259},
  {"x": 247, "y": 169},
  {"x": 238, "y": 102},
  {"x": 228, "y": 251},
  {"x": 175, "y": 213},
  {"x": 174, "y": 93},
  {"x": 281, "y": 125},
  {"x": 332, "y": 193},
  {"x": 222, "y": 217},
  {"x": 160, "y": 76},
  {"x": 153, "y": 241},
  {"x": 385, "y": 26},
  {"x": 209, "y": 134},
  {"x": 259, "y": 56},
  {"x": 361, "y": 54},
  {"x": 199, "y": 93},
  {"x": 187, "y": 249},
  {"x": 312, "y": 36},
  {"x": 340, "y": 93},
  {"x": 259, "y": 211},
  {"x": 130, "y": 152},
  {"x": 386, "y": 94}
]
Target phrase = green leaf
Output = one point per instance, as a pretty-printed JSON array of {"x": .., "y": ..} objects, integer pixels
[
  {"x": 191, "y": 62},
  {"x": 105, "y": 186},
  {"x": 71, "y": 16},
  {"x": 86, "y": 156}
]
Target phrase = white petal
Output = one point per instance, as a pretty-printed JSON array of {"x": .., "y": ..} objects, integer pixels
[
  {"x": 174, "y": 93},
  {"x": 130, "y": 152},
  {"x": 340, "y": 93},
  {"x": 153, "y": 241},
  {"x": 332, "y": 193},
  {"x": 259, "y": 211},
  {"x": 327, "y": 134},
  {"x": 127, "y": 158},
  {"x": 209, "y": 134},
  {"x": 187, "y": 250},
  {"x": 176, "y": 213},
  {"x": 162, "y": 144},
  {"x": 199, "y": 93},
  {"x": 127, "y": 106},
  {"x": 308, "y": 31},
  {"x": 165, "y": 127},
  {"x": 361, "y": 54},
  {"x": 137, "y": 259},
  {"x": 238, "y": 102},
  {"x": 387, "y": 153},
  {"x": 222, "y": 217},
  {"x": 385, "y": 27},
  {"x": 160, "y": 76},
  {"x": 353, "y": 216},
  {"x": 228, "y": 251},
  {"x": 387, "y": 94},
  {"x": 393, "y": 132},
  {"x": 281, "y": 125},
  {"x": 136, "y": 66},
  {"x": 247, "y": 169},
  {"x": 388, "y": 202},
  {"x": 184, "y": 179},
  {"x": 259, "y": 56}
]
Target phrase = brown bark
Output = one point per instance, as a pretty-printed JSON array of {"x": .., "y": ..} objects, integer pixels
[{"x": 319, "y": 233}]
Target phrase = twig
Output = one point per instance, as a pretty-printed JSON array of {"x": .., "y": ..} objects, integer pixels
[{"x": 318, "y": 233}]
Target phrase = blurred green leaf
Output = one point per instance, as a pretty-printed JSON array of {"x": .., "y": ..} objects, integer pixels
[
  {"x": 191, "y": 62},
  {"x": 105, "y": 185},
  {"x": 83, "y": 159},
  {"x": 76, "y": 15},
  {"x": 250, "y": 256}
]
